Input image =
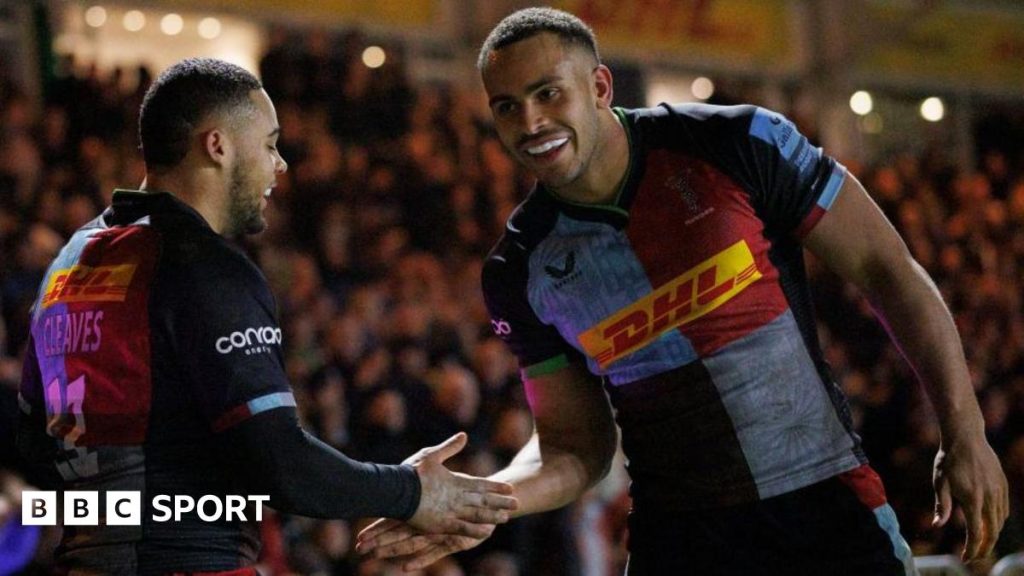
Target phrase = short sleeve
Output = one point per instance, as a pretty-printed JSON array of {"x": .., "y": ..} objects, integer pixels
[
  {"x": 229, "y": 340},
  {"x": 538, "y": 346},
  {"x": 801, "y": 181},
  {"x": 791, "y": 182}
]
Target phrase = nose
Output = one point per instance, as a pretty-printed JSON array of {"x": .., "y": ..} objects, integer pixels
[
  {"x": 533, "y": 118},
  {"x": 280, "y": 166}
]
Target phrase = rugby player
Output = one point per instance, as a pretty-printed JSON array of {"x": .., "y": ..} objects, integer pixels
[
  {"x": 659, "y": 264},
  {"x": 155, "y": 361}
]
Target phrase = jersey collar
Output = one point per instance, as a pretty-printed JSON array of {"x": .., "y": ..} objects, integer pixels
[{"x": 617, "y": 212}]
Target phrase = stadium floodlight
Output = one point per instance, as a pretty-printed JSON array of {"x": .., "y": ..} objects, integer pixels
[
  {"x": 702, "y": 88},
  {"x": 134, "y": 21},
  {"x": 861, "y": 103},
  {"x": 374, "y": 57},
  {"x": 172, "y": 24},
  {"x": 209, "y": 28},
  {"x": 933, "y": 109},
  {"x": 96, "y": 16}
]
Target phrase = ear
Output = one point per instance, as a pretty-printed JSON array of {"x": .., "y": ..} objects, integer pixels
[
  {"x": 603, "y": 86},
  {"x": 217, "y": 147}
]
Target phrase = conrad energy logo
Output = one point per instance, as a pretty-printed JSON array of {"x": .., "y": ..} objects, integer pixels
[
  {"x": 684, "y": 299},
  {"x": 251, "y": 340}
]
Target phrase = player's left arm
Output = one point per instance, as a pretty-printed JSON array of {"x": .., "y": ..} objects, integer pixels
[{"x": 856, "y": 241}]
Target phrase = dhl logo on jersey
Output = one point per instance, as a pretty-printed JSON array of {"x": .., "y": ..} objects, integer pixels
[
  {"x": 89, "y": 284},
  {"x": 684, "y": 299}
]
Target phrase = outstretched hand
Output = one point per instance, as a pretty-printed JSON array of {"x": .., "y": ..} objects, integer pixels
[
  {"x": 969, "y": 475},
  {"x": 457, "y": 504},
  {"x": 414, "y": 550}
]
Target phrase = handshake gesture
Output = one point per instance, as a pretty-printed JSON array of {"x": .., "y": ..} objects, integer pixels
[{"x": 456, "y": 511}]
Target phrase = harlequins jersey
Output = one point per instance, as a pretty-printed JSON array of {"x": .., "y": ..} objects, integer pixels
[
  {"x": 688, "y": 296},
  {"x": 150, "y": 334}
]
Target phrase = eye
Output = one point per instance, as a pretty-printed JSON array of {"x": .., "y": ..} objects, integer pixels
[
  {"x": 547, "y": 94},
  {"x": 504, "y": 108}
]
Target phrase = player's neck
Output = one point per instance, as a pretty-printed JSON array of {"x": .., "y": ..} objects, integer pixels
[
  {"x": 601, "y": 183},
  {"x": 194, "y": 188}
]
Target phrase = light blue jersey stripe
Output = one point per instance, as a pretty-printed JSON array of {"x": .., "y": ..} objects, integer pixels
[
  {"x": 270, "y": 401},
  {"x": 835, "y": 182}
]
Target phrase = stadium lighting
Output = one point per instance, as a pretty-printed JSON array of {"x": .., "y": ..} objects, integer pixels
[
  {"x": 209, "y": 28},
  {"x": 861, "y": 103},
  {"x": 134, "y": 21},
  {"x": 374, "y": 57},
  {"x": 96, "y": 16},
  {"x": 702, "y": 88},
  {"x": 932, "y": 109},
  {"x": 172, "y": 24}
]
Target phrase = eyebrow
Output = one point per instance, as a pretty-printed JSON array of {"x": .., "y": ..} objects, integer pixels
[
  {"x": 274, "y": 132},
  {"x": 531, "y": 88}
]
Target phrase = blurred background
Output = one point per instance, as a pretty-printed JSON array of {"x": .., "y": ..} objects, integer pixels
[{"x": 397, "y": 188}]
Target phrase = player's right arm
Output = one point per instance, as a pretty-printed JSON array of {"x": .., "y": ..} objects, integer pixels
[
  {"x": 304, "y": 476},
  {"x": 227, "y": 347}
]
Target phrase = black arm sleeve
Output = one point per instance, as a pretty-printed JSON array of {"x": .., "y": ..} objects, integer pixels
[{"x": 304, "y": 476}]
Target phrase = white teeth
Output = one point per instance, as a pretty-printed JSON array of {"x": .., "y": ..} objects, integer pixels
[
  {"x": 266, "y": 193},
  {"x": 547, "y": 146}
]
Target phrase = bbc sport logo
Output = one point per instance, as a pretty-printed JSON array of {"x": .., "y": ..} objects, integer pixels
[{"x": 124, "y": 508}]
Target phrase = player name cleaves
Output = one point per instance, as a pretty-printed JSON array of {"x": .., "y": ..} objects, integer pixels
[{"x": 684, "y": 299}]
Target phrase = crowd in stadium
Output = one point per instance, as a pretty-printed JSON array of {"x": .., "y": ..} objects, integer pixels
[{"x": 394, "y": 194}]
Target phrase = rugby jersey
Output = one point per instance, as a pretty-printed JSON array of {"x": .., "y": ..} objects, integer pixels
[
  {"x": 154, "y": 341},
  {"x": 688, "y": 297}
]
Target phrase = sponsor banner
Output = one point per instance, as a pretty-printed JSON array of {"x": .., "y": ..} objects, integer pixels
[
  {"x": 759, "y": 34},
  {"x": 251, "y": 340},
  {"x": 969, "y": 46},
  {"x": 383, "y": 12},
  {"x": 87, "y": 284},
  {"x": 689, "y": 296}
]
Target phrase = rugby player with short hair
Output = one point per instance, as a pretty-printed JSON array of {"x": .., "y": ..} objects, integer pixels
[
  {"x": 658, "y": 263},
  {"x": 155, "y": 360}
]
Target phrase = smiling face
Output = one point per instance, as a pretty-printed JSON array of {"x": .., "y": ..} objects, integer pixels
[
  {"x": 256, "y": 166},
  {"x": 545, "y": 95}
]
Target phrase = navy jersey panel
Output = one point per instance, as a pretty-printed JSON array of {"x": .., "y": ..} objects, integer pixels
[
  {"x": 152, "y": 333},
  {"x": 688, "y": 297}
]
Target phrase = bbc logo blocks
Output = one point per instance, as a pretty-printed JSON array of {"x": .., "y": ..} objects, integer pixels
[{"x": 81, "y": 508}]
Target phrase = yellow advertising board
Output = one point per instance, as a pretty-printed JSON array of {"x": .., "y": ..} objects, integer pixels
[
  {"x": 384, "y": 12},
  {"x": 737, "y": 33},
  {"x": 959, "y": 45}
]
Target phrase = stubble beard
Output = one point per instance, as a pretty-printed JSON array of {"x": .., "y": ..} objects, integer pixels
[{"x": 244, "y": 208}]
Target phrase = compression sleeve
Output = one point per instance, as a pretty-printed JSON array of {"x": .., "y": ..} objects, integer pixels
[{"x": 304, "y": 476}]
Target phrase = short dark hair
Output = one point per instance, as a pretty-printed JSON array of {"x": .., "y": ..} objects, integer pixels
[
  {"x": 529, "y": 22},
  {"x": 182, "y": 97}
]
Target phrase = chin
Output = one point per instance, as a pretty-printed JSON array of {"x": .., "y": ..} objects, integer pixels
[{"x": 256, "y": 227}]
